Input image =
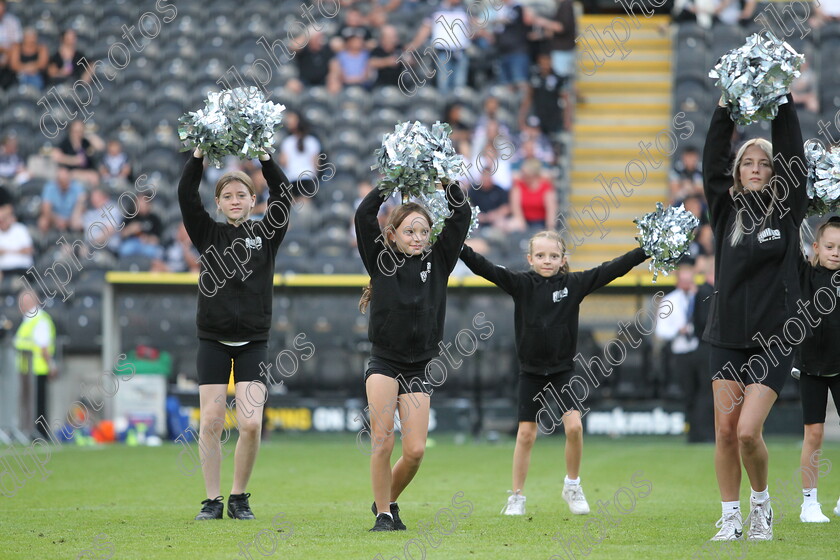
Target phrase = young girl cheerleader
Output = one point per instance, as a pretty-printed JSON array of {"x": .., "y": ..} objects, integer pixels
[
  {"x": 547, "y": 306},
  {"x": 234, "y": 316},
  {"x": 407, "y": 298},
  {"x": 756, "y": 230},
  {"x": 820, "y": 364}
]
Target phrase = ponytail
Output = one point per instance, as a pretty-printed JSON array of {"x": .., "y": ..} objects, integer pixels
[{"x": 364, "y": 301}]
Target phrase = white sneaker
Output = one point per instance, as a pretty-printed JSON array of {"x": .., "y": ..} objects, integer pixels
[
  {"x": 837, "y": 508},
  {"x": 812, "y": 513},
  {"x": 731, "y": 527},
  {"x": 515, "y": 504},
  {"x": 573, "y": 494},
  {"x": 761, "y": 522}
]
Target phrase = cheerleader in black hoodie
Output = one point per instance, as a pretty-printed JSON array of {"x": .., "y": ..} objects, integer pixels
[
  {"x": 756, "y": 208},
  {"x": 407, "y": 297},
  {"x": 234, "y": 316},
  {"x": 547, "y": 308},
  {"x": 820, "y": 362}
]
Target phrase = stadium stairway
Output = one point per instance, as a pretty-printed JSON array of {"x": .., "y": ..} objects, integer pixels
[{"x": 623, "y": 102}]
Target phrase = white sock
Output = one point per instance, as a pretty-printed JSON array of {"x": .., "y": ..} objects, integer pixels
[
  {"x": 393, "y": 503},
  {"x": 387, "y": 513},
  {"x": 571, "y": 481},
  {"x": 760, "y": 497},
  {"x": 728, "y": 508},
  {"x": 809, "y": 495}
]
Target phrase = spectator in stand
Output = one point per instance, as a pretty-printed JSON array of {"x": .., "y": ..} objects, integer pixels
[
  {"x": 64, "y": 64},
  {"x": 384, "y": 60},
  {"x": 355, "y": 25},
  {"x": 115, "y": 169},
  {"x": 78, "y": 152},
  {"x": 448, "y": 27},
  {"x": 686, "y": 176},
  {"x": 12, "y": 168},
  {"x": 804, "y": 89},
  {"x": 10, "y": 35},
  {"x": 28, "y": 59},
  {"x": 533, "y": 200},
  {"x": 828, "y": 11},
  {"x": 101, "y": 210},
  {"x": 461, "y": 133},
  {"x": 312, "y": 60},
  {"x": 180, "y": 255},
  {"x": 533, "y": 144},
  {"x": 62, "y": 203},
  {"x": 299, "y": 154},
  {"x": 141, "y": 233},
  {"x": 489, "y": 126},
  {"x": 561, "y": 41},
  {"x": 490, "y": 155},
  {"x": 512, "y": 41},
  {"x": 16, "y": 248},
  {"x": 548, "y": 99},
  {"x": 349, "y": 67},
  {"x": 492, "y": 200}
]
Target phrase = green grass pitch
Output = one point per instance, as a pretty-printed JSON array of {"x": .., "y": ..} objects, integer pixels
[{"x": 120, "y": 502}]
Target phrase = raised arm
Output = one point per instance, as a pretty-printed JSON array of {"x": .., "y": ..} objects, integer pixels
[
  {"x": 367, "y": 229},
  {"x": 602, "y": 275},
  {"x": 196, "y": 219},
  {"x": 716, "y": 164},
  {"x": 789, "y": 160},
  {"x": 278, "y": 211},
  {"x": 455, "y": 227},
  {"x": 479, "y": 265}
]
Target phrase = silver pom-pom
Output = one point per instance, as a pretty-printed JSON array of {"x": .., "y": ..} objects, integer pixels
[
  {"x": 823, "y": 178},
  {"x": 439, "y": 210},
  {"x": 665, "y": 235},
  {"x": 413, "y": 159},
  {"x": 756, "y": 77},
  {"x": 238, "y": 122}
]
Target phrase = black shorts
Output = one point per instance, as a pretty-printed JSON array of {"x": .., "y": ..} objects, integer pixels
[
  {"x": 410, "y": 376},
  {"x": 751, "y": 365},
  {"x": 532, "y": 385},
  {"x": 214, "y": 361},
  {"x": 814, "y": 391}
]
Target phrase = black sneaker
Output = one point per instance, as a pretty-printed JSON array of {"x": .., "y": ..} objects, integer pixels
[
  {"x": 238, "y": 507},
  {"x": 211, "y": 509},
  {"x": 383, "y": 523},
  {"x": 395, "y": 513}
]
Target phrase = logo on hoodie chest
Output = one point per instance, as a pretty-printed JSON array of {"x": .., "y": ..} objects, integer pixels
[
  {"x": 769, "y": 234},
  {"x": 254, "y": 243},
  {"x": 559, "y": 294},
  {"x": 424, "y": 274}
]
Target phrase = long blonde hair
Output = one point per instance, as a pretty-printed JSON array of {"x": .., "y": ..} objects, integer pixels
[
  {"x": 399, "y": 214},
  {"x": 552, "y": 236},
  {"x": 738, "y": 229}
]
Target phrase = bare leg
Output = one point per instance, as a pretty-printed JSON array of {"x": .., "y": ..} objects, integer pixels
[
  {"x": 728, "y": 397},
  {"x": 414, "y": 423},
  {"x": 758, "y": 400},
  {"x": 525, "y": 438},
  {"x": 574, "y": 442},
  {"x": 382, "y": 402},
  {"x": 212, "y": 405},
  {"x": 250, "y": 399},
  {"x": 811, "y": 449}
]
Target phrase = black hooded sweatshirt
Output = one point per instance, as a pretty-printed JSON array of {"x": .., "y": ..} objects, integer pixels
[
  {"x": 408, "y": 294},
  {"x": 547, "y": 310},
  {"x": 820, "y": 353},
  {"x": 756, "y": 281},
  {"x": 236, "y": 281}
]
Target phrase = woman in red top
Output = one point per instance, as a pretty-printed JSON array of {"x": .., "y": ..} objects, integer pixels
[{"x": 532, "y": 198}]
